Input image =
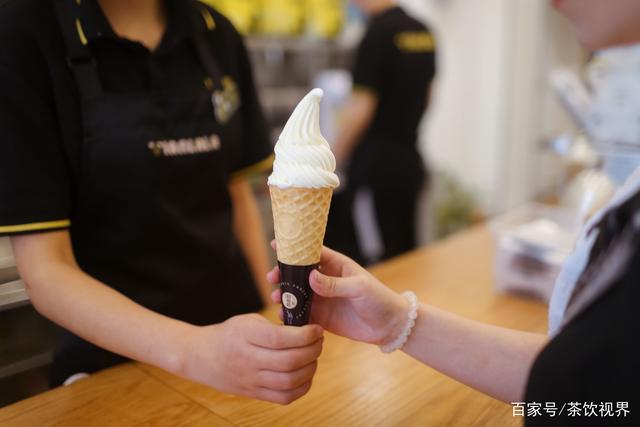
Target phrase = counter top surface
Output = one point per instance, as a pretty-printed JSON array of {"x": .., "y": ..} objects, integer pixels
[{"x": 356, "y": 385}]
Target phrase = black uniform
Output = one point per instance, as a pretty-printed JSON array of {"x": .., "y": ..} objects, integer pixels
[
  {"x": 132, "y": 152},
  {"x": 395, "y": 62},
  {"x": 590, "y": 372}
]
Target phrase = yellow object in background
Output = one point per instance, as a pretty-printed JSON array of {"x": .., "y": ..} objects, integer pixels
[
  {"x": 284, "y": 18},
  {"x": 325, "y": 18},
  {"x": 241, "y": 13},
  {"x": 281, "y": 17}
]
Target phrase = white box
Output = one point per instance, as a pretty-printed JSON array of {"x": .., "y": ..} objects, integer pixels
[{"x": 532, "y": 243}]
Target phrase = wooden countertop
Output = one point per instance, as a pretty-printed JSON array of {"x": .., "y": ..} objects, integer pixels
[{"x": 356, "y": 385}]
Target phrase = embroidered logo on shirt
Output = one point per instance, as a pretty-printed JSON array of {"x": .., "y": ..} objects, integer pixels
[
  {"x": 184, "y": 146},
  {"x": 414, "y": 41},
  {"x": 226, "y": 100}
]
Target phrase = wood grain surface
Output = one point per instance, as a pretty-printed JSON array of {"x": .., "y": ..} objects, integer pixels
[{"x": 356, "y": 385}]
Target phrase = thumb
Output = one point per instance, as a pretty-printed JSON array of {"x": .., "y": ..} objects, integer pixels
[{"x": 334, "y": 287}]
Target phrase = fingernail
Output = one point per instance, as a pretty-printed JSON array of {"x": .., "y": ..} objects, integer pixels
[{"x": 316, "y": 276}]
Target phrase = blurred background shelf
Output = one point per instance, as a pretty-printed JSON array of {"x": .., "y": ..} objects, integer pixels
[
  {"x": 12, "y": 294},
  {"x": 301, "y": 45}
]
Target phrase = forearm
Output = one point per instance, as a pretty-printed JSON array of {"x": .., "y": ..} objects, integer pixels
[
  {"x": 357, "y": 117},
  {"x": 348, "y": 139},
  {"x": 106, "y": 318},
  {"x": 488, "y": 358},
  {"x": 249, "y": 231}
]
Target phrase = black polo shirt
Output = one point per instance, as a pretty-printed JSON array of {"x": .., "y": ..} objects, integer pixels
[
  {"x": 40, "y": 115},
  {"x": 396, "y": 62},
  {"x": 590, "y": 371}
]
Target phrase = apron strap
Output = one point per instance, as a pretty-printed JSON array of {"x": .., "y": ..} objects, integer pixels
[
  {"x": 79, "y": 57},
  {"x": 211, "y": 66}
]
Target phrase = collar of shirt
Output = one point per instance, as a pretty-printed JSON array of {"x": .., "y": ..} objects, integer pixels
[
  {"x": 184, "y": 19},
  {"x": 393, "y": 10}
]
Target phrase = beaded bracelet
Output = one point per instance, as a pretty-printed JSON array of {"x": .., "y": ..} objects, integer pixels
[{"x": 408, "y": 327}]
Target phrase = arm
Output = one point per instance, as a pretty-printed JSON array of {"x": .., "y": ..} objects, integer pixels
[
  {"x": 248, "y": 229},
  {"x": 358, "y": 114},
  {"x": 245, "y": 355},
  {"x": 488, "y": 358},
  {"x": 352, "y": 303},
  {"x": 60, "y": 291}
]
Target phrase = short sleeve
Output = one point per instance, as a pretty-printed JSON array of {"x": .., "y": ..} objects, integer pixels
[
  {"x": 257, "y": 152},
  {"x": 369, "y": 67},
  {"x": 34, "y": 182}
]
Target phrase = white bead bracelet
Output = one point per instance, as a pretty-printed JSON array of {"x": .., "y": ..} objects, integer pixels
[{"x": 408, "y": 327}]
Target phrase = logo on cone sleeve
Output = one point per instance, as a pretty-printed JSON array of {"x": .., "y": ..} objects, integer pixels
[
  {"x": 289, "y": 300},
  {"x": 297, "y": 295}
]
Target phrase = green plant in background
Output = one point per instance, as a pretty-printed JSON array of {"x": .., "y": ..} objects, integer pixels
[{"x": 455, "y": 206}]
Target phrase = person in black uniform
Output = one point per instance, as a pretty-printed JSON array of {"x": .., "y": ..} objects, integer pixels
[
  {"x": 591, "y": 360},
  {"x": 128, "y": 131},
  {"x": 394, "y": 67}
]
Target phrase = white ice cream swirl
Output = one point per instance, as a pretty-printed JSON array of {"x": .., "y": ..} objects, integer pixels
[{"x": 303, "y": 157}]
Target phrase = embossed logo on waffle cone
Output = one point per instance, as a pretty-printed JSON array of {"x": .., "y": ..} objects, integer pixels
[{"x": 289, "y": 227}]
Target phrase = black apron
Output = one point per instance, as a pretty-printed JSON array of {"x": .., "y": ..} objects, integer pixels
[{"x": 153, "y": 216}]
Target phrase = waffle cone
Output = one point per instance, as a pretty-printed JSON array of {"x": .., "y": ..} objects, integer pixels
[{"x": 300, "y": 219}]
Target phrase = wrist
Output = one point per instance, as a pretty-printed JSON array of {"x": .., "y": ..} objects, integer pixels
[
  {"x": 182, "y": 348},
  {"x": 397, "y": 319},
  {"x": 410, "y": 321}
]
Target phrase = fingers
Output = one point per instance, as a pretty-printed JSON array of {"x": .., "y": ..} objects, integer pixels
[
  {"x": 273, "y": 276},
  {"x": 276, "y": 296},
  {"x": 333, "y": 262},
  {"x": 329, "y": 255},
  {"x": 271, "y": 336},
  {"x": 283, "y": 397},
  {"x": 335, "y": 287},
  {"x": 283, "y": 381},
  {"x": 288, "y": 360}
]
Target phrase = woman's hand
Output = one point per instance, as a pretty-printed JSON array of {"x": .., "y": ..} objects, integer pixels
[
  {"x": 249, "y": 356},
  {"x": 350, "y": 302}
]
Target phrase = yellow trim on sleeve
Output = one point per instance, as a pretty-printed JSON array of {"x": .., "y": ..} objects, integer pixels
[
  {"x": 261, "y": 166},
  {"x": 208, "y": 19},
  {"x": 415, "y": 41},
  {"x": 35, "y": 226},
  {"x": 83, "y": 38}
]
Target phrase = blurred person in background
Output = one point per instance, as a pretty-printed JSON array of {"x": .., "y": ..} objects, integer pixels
[
  {"x": 592, "y": 353},
  {"x": 129, "y": 131},
  {"x": 394, "y": 67}
]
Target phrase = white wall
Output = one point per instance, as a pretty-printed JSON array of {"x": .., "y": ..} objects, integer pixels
[{"x": 492, "y": 106}]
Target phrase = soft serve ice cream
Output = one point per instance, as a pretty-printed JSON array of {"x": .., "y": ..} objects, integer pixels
[
  {"x": 303, "y": 157},
  {"x": 301, "y": 185}
]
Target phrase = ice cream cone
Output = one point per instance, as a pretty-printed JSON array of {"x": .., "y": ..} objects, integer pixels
[
  {"x": 301, "y": 184},
  {"x": 300, "y": 219}
]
